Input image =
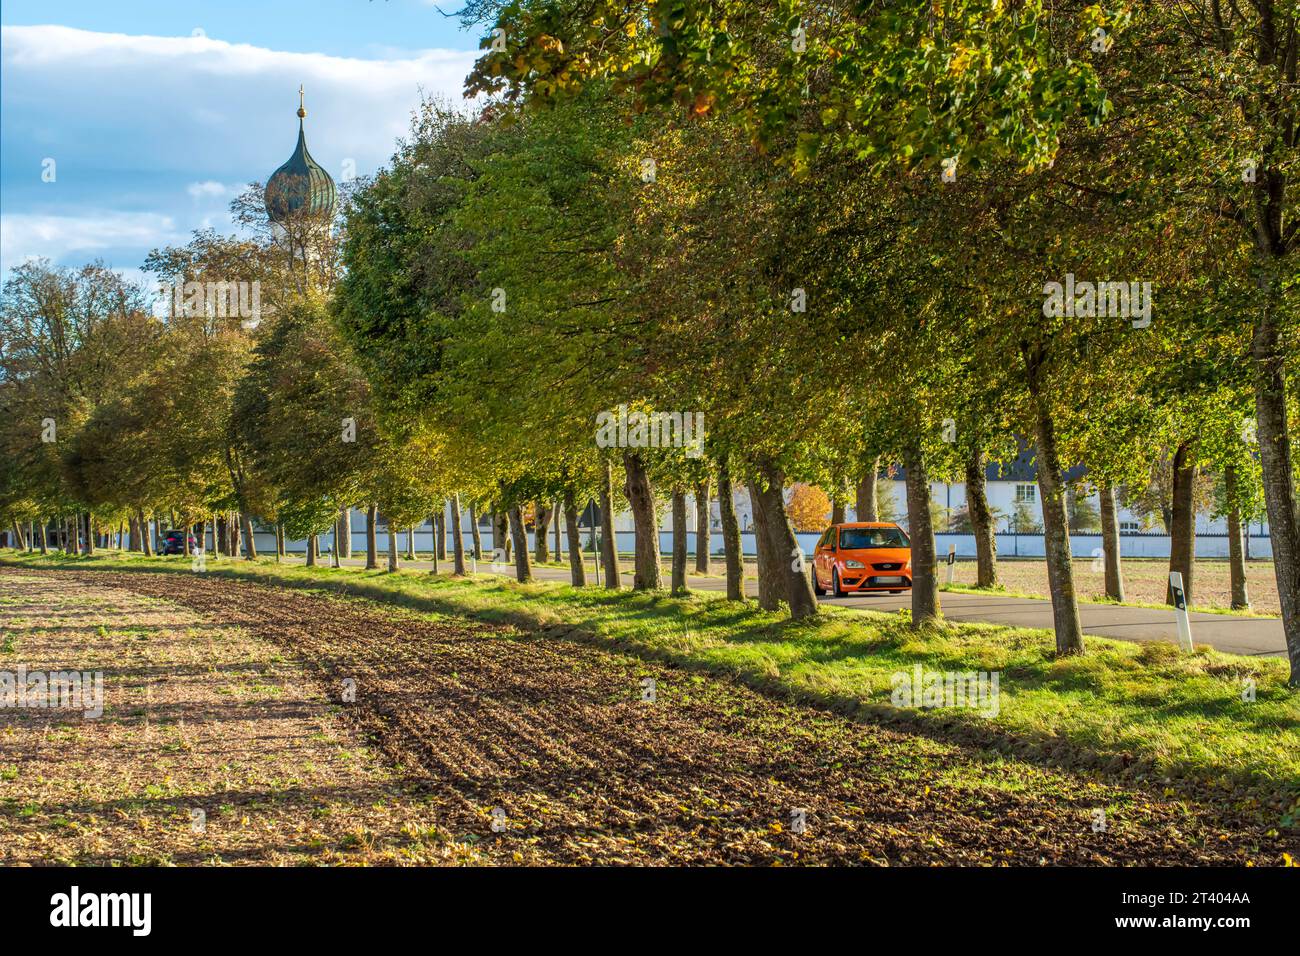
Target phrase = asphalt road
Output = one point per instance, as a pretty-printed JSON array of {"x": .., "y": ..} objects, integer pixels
[{"x": 1256, "y": 636}]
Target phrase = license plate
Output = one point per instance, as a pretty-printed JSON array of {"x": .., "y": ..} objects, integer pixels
[{"x": 889, "y": 580}]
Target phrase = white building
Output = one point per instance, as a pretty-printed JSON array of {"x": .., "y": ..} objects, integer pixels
[{"x": 1012, "y": 492}]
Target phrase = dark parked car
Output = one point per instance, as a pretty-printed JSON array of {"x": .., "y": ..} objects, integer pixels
[{"x": 175, "y": 542}]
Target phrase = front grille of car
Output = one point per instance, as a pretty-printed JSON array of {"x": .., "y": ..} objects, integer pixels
[{"x": 893, "y": 566}]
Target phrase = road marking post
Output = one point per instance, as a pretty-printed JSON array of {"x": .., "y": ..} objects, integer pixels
[
  {"x": 952, "y": 561},
  {"x": 1180, "y": 611}
]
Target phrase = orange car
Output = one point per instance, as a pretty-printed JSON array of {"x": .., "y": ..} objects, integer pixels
[{"x": 862, "y": 556}]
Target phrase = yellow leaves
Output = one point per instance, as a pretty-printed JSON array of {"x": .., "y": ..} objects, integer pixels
[
  {"x": 703, "y": 103},
  {"x": 1288, "y": 860},
  {"x": 961, "y": 58},
  {"x": 776, "y": 827},
  {"x": 630, "y": 28}
]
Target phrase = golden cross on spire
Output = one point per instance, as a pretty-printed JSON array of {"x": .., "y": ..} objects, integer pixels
[{"x": 301, "y": 111}]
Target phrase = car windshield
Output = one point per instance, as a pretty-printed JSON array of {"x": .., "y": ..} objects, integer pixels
[{"x": 855, "y": 539}]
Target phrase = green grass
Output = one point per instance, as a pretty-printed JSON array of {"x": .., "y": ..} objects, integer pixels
[{"x": 1143, "y": 711}]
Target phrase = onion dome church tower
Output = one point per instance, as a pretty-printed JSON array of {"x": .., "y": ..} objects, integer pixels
[{"x": 300, "y": 188}]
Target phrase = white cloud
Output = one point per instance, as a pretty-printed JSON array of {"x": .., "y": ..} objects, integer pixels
[
  {"x": 147, "y": 128},
  {"x": 24, "y": 235},
  {"x": 197, "y": 99},
  {"x": 209, "y": 189}
]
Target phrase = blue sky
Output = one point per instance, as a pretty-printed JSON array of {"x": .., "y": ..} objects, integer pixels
[{"x": 156, "y": 113}]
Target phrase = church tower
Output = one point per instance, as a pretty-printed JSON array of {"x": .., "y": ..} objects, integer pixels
[{"x": 300, "y": 189}]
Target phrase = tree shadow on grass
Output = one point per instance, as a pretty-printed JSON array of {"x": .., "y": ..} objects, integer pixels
[{"x": 952, "y": 726}]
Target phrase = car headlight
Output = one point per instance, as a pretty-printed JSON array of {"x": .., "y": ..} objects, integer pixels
[{"x": 854, "y": 564}]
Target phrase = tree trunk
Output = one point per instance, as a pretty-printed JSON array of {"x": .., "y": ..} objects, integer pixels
[
  {"x": 20, "y": 539},
  {"x": 791, "y": 563},
  {"x": 868, "y": 507},
  {"x": 541, "y": 525},
  {"x": 133, "y": 535},
  {"x": 837, "y": 502},
  {"x": 433, "y": 551},
  {"x": 1056, "y": 538},
  {"x": 475, "y": 533},
  {"x": 577, "y": 570},
  {"x": 555, "y": 521},
  {"x": 410, "y": 543},
  {"x": 311, "y": 551},
  {"x": 250, "y": 545},
  {"x": 679, "y": 540},
  {"x": 145, "y": 537},
  {"x": 440, "y": 534},
  {"x": 1237, "y": 563},
  {"x": 640, "y": 496},
  {"x": 1182, "y": 537},
  {"x": 372, "y": 533},
  {"x": 1236, "y": 551},
  {"x": 457, "y": 541},
  {"x": 523, "y": 572},
  {"x": 925, "y": 578},
  {"x": 731, "y": 545},
  {"x": 702, "y": 526},
  {"x": 981, "y": 521},
  {"x": 345, "y": 532},
  {"x": 770, "y": 580},
  {"x": 1110, "y": 541},
  {"x": 608, "y": 539},
  {"x": 1279, "y": 487},
  {"x": 392, "y": 546},
  {"x": 279, "y": 542},
  {"x": 90, "y": 535},
  {"x": 40, "y": 536},
  {"x": 500, "y": 535}
]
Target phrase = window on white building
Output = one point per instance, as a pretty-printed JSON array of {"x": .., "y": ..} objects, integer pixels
[{"x": 1026, "y": 492}]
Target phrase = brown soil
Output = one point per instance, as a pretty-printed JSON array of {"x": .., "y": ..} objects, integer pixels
[{"x": 470, "y": 717}]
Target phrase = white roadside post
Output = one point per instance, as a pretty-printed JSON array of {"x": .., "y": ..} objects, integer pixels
[
  {"x": 952, "y": 562},
  {"x": 1180, "y": 611}
]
